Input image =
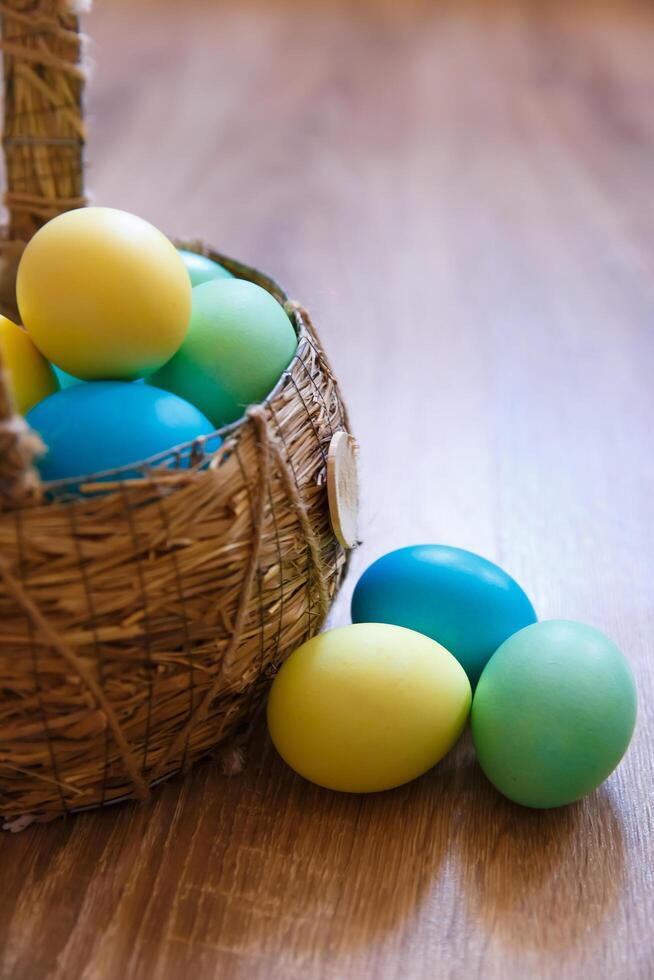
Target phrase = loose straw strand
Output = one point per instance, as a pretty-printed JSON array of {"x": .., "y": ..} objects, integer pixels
[
  {"x": 259, "y": 416},
  {"x": 18, "y": 447}
]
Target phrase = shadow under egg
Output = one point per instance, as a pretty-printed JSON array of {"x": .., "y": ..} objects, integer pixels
[{"x": 541, "y": 879}]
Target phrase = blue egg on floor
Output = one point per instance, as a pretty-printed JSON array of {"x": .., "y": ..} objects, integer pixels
[
  {"x": 106, "y": 425},
  {"x": 464, "y": 602}
]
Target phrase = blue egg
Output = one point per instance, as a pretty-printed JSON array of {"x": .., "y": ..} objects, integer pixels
[
  {"x": 105, "y": 425},
  {"x": 459, "y": 599}
]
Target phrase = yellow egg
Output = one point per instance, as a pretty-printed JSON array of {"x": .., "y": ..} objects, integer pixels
[
  {"x": 31, "y": 378},
  {"x": 367, "y": 707},
  {"x": 103, "y": 294}
]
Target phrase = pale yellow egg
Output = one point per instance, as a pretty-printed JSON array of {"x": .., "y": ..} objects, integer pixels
[
  {"x": 104, "y": 294},
  {"x": 367, "y": 707},
  {"x": 30, "y": 375}
]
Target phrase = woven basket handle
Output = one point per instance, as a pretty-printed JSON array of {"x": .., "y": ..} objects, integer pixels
[
  {"x": 43, "y": 141},
  {"x": 44, "y": 131}
]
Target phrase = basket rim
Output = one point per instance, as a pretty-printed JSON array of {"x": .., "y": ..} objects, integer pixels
[{"x": 297, "y": 318}]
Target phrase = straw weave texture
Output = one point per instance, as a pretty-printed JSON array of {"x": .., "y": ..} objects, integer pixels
[{"x": 140, "y": 625}]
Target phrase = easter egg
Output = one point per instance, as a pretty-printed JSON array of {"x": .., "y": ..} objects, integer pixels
[
  {"x": 553, "y": 713},
  {"x": 202, "y": 269},
  {"x": 367, "y": 707},
  {"x": 239, "y": 342},
  {"x": 65, "y": 380},
  {"x": 105, "y": 425},
  {"x": 31, "y": 378},
  {"x": 456, "y": 597},
  {"x": 103, "y": 294}
]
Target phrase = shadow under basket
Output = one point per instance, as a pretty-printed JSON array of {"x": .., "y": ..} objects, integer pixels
[{"x": 140, "y": 625}]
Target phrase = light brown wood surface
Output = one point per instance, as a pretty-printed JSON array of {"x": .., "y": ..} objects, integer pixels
[{"x": 463, "y": 195}]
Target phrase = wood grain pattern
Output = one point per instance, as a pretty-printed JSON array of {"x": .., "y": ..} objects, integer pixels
[{"x": 462, "y": 194}]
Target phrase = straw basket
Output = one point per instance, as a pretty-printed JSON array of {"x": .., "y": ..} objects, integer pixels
[{"x": 139, "y": 627}]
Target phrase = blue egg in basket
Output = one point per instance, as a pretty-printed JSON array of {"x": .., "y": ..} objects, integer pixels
[{"x": 106, "y": 425}]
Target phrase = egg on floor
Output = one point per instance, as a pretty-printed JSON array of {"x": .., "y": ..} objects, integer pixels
[
  {"x": 553, "y": 713},
  {"x": 202, "y": 269},
  {"x": 31, "y": 378},
  {"x": 239, "y": 342},
  {"x": 103, "y": 294},
  {"x": 105, "y": 425},
  {"x": 367, "y": 707},
  {"x": 459, "y": 599}
]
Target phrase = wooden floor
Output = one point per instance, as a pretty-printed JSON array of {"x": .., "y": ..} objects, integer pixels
[{"x": 463, "y": 195}]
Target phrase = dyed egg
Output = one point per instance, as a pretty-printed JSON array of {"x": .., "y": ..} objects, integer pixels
[
  {"x": 105, "y": 425},
  {"x": 367, "y": 707},
  {"x": 201, "y": 269},
  {"x": 31, "y": 378},
  {"x": 553, "y": 713},
  {"x": 65, "y": 380},
  {"x": 239, "y": 342},
  {"x": 103, "y": 294},
  {"x": 457, "y": 598}
]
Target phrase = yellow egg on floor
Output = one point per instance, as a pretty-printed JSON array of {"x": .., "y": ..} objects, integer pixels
[
  {"x": 367, "y": 707},
  {"x": 31, "y": 378},
  {"x": 103, "y": 294}
]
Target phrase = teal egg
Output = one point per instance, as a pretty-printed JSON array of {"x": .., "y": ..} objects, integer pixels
[
  {"x": 239, "y": 342},
  {"x": 106, "y": 425},
  {"x": 201, "y": 269},
  {"x": 553, "y": 713},
  {"x": 66, "y": 380},
  {"x": 464, "y": 602}
]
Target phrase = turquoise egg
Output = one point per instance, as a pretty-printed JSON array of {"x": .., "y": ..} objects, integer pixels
[
  {"x": 201, "y": 269},
  {"x": 238, "y": 343},
  {"x": 66, "y": 380},
  {"x": 553, "y": 713},
  {"x": 464, "y": 602},
  {"x": 106, "y": 425}
]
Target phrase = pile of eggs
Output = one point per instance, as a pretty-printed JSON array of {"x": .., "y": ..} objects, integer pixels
[
  {"x": 373, "y": 705},
  {"x": 130, "y": 347}
]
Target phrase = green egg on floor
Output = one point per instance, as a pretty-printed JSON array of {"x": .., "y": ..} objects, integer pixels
[{"x": 553, "y": 713}]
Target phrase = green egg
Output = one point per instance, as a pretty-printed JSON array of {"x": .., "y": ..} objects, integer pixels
[
  {"x": 201, "y": 269},
  {"x": 239, "y": 342},
  {"x": 553, "y": 713}
]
